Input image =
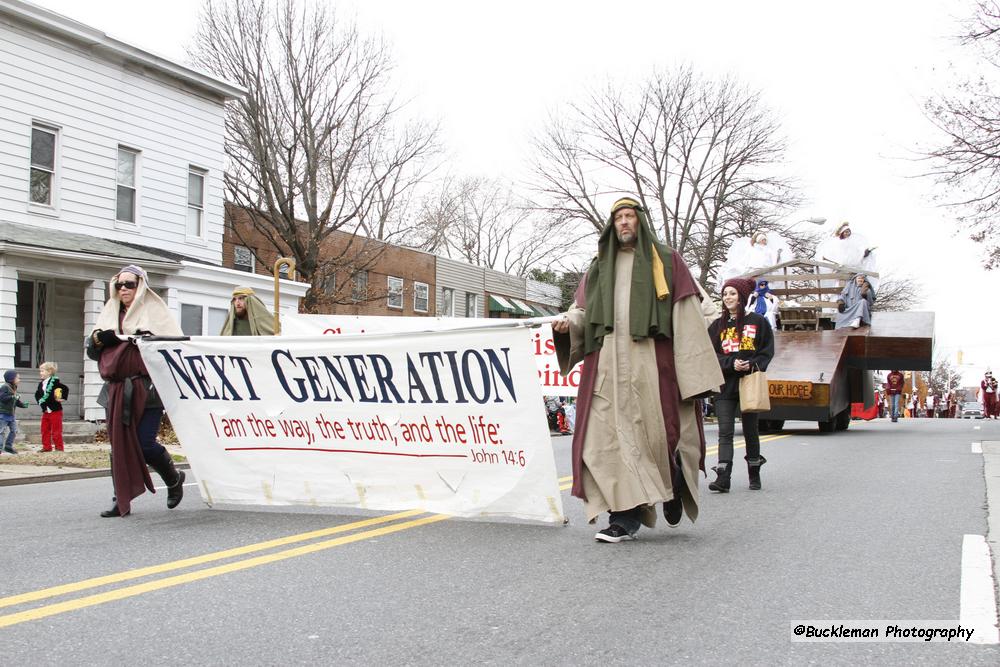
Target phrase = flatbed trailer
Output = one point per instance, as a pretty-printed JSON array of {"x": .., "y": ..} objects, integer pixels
[{"x": 817, "y": 371}]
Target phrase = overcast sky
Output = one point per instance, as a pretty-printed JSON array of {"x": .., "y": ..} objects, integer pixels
[{"x": 846, "y": 79}]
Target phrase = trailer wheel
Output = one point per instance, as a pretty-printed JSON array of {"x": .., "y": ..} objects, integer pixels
[
  {"x": 771, "y": 425},
  {"x": 827, "y": 427},
  {"x": 843, "y": 420}
]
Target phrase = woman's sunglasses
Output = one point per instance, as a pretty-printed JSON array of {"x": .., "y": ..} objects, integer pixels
[{"x": 127, "y": 284}]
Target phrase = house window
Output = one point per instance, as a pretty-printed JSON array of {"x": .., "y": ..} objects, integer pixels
[
  {"x": 194, "y": 321},
  {"x": 360, "y": 290},
  {"x": 395, "y": 297},
  {"x": 243, "y": 259},
  {"x": 421, "y": 297},
  {"x": 329, "y": 283},
  {"x": 448, "y": 302},
  {"x": 43, "y": 165},
  {"x": 127, "y": 164},
  {"x": 216, "y": 318},
  {"x": 196, "y": 203},
  {"x": 191, "y": 319},
  {"x": 471, "y": 305}
]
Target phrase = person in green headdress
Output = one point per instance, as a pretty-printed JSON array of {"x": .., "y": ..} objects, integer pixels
[
  {"x": 638, "y": 326},
  {"x": 248, "y": 316}
]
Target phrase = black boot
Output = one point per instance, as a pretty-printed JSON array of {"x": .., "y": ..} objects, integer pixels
[
  {"x": 673, "y": 509},
  {"x": 172, "y": 478},
  {"x": 753, "y": 467},
  {"x": 113, "y": 510},
  {"x": 723, "y": 472}
]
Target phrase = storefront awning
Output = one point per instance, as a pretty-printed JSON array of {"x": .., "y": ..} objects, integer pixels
[
  {"x": 498, "y": 304},
  {"x": 523, "y": 307},
  {"x": 540, "y": 311}
]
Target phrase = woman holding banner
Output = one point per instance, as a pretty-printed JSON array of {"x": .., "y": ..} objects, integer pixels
[{"x": 133, "y": 409}]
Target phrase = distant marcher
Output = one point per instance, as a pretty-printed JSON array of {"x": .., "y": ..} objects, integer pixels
[
  {"x": 991, "y": 407},
  {"x": 855, "y": 303},
  {"x": 570, "y": 410},
  {"x": 10, "y": 400},
  {"x": 134, "y": 410},
  {"x": 50, "y": 395},
  {"x": 248, "y": 316},
  {"x": 743, "y": 343},
  {"x": 894, "y": 388},
  {"x": 563, "y": 422}
]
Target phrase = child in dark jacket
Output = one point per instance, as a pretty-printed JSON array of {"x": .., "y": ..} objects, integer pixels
[
  {"x": 10, "y": 400},
  {"x": 50, "y": 395}
]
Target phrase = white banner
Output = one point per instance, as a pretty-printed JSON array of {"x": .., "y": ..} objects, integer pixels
[
  {"x": 448, "y": 422},
  {"x": 542, "y": 346}
]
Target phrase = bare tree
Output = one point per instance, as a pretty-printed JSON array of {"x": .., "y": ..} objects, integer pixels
[
  {"x": 318, "y": 143},
  {"x": 944, "y": 378},
  {"x": 897, "y": 293},
  {"x": 703, "y": 156},
  {"x": 484, "y": 222},
  {"x": 966, "y": 165}
]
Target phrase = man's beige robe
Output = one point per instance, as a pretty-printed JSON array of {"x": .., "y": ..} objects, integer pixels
[{"x": 625, "y": 454}]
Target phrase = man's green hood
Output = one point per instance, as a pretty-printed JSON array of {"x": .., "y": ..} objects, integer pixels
[{"x": 650, "y": 302}]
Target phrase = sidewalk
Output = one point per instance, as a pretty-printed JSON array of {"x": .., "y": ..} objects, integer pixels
[{"x": 13, "y": 473}]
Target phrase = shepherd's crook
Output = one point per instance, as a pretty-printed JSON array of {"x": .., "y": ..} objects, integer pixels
[{"x": 290, "y": 263}]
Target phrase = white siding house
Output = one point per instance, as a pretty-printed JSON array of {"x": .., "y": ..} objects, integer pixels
[{"x": 109, "y": 155}]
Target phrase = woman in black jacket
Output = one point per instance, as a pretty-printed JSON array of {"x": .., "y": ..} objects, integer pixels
[{"x": 739, "y": 355}]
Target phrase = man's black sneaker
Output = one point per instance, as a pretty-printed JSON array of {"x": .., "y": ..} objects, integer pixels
[
  {"x": 672, "y": 512},
  {"x": 613, "y": 533}
]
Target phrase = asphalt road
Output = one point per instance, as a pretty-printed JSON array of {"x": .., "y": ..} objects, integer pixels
[{"x": 866, "y": 524}]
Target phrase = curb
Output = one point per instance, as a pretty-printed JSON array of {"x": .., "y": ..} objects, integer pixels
[{"x": 68, "y": 476}]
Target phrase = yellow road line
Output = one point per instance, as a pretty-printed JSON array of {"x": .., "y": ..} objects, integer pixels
[
  {"x": 218, "y": 570},
  {"x": 742, "y": 444},
  {"x": 206, "y": 573},
  {"x": 197, "y": 560}
]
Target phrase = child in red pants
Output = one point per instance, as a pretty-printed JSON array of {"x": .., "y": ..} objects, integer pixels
[{"x": 50, "y": 395}]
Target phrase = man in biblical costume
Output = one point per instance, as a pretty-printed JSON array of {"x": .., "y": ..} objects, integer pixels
[
  {"x": 248, "y": 316},
  {"x": 855, "y": 303},
  {"x": 991, "y": 406},
  {"x": 637, "y": 323}
]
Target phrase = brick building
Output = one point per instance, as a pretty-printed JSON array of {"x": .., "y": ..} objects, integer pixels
[
  {"x": 374, "y": 278},
  {"x": 377, "y": 278}
]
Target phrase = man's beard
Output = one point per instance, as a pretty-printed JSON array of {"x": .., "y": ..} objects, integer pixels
[{"x": 626, "y": 239}]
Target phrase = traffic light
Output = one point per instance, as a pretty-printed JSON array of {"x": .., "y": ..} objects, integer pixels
[{"x": 959, "y": 357}]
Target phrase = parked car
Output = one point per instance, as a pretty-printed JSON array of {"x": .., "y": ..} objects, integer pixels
[{"x": 972, "y": 410}]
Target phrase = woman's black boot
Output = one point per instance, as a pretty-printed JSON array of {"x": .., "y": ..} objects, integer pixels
[
  {"x": 172, "y": 478},
  {"x": 753, "y": 467},
  {"x": 723, "y": 472},
  {"x": 113, "y": 510}
]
